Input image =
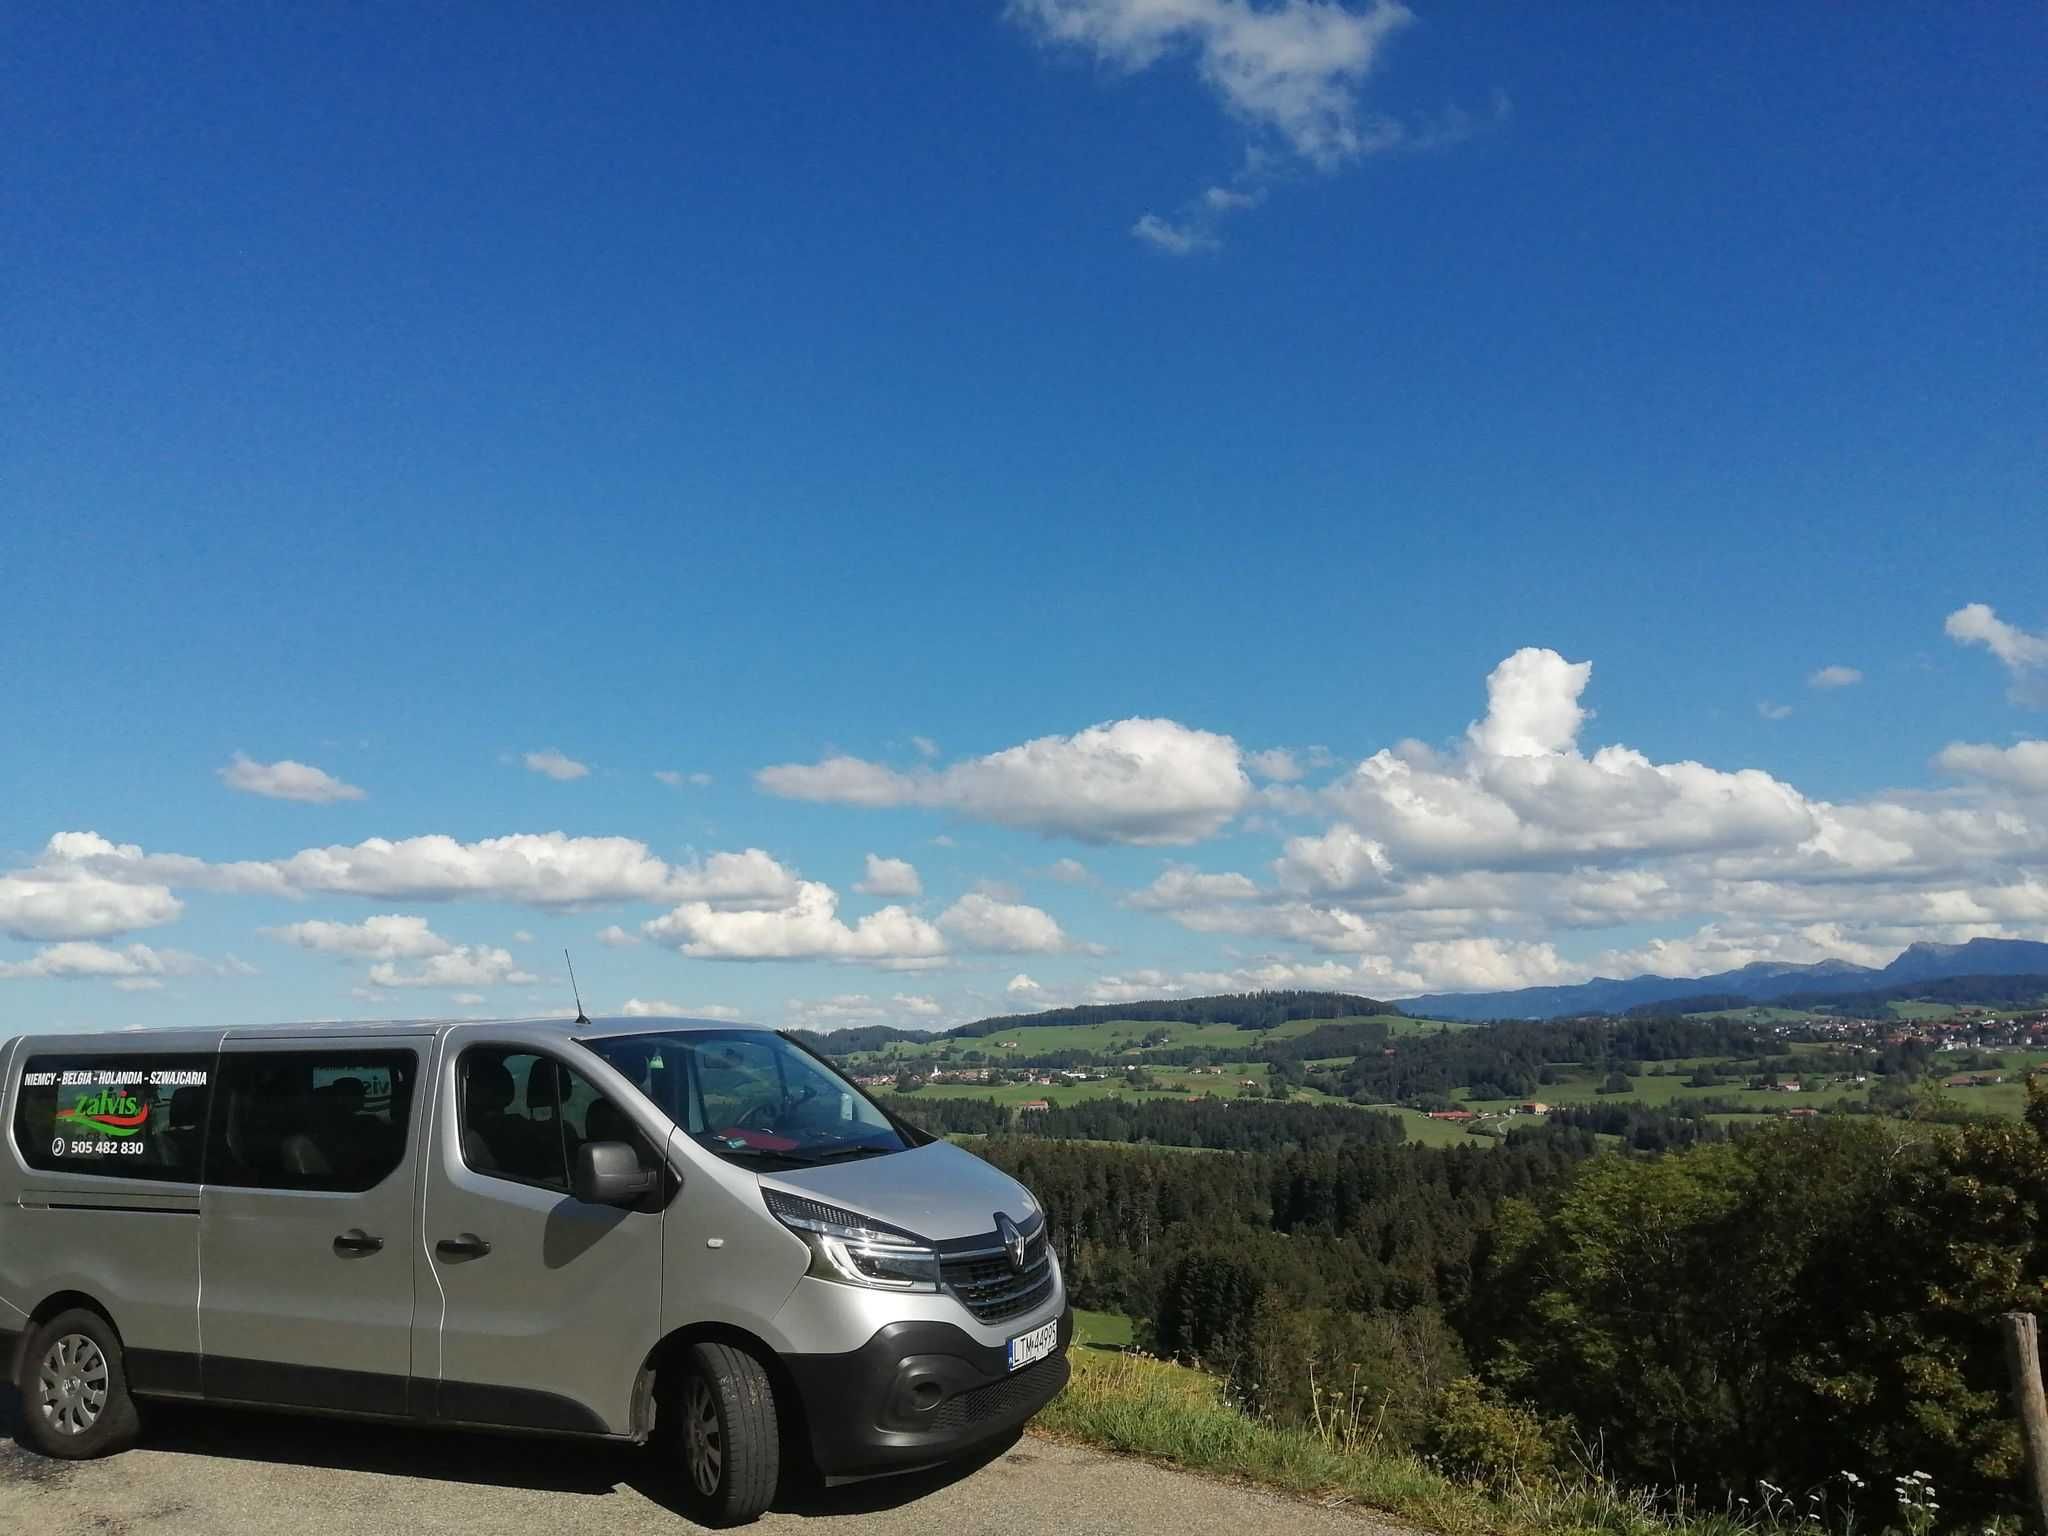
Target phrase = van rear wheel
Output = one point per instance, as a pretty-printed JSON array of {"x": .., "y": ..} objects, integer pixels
[
  {"x": 74, "y": 1389},
  {"x": 723, "y": 1433}
]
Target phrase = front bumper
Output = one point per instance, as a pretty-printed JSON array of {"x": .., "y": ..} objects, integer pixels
[{"x": 918, "y": 1393}]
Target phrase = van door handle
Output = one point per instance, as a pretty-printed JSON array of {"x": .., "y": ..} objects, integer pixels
[
  {"x": 467, "y": 1246},
  {"x": 356, "y": 1241}
]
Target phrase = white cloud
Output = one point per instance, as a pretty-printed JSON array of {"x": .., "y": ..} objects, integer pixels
[
  {"x": 662, "y": 1008},
  {"x": 2023, "y": 766},
  {"x": 521, "y": 936},
  {"x": 890, "y": 877},
  {"x": 983, "y": 923},
  {"x": 1068, "y": 872},
  {"x": 1522, "y": 791},
  {"x": 286, "y": 780},
  {"x": 1021, "y": 985},
  {"x": 1143, "y": 781},
  {"x": 1182, "y": 885},
  {"x": 675, "y": 778},
  {"x": 1293, "y": 68},
  {"x": 2025, "y": 654},
  {"x": 57, "y": 900},
  {"x": 1532, "y": 705},
  {"x": 926, "y": 747},
  {"x": 917, "y": 1005},
  {"x": 465, "y": 999},
  {"x": 747, "y": 878},
  {"x": 839, "y": 780},
  {"x": 462, "y": 966},
  {"x": 390, "y": 937},
  {"x": 1275, "y": 763},
  {"x": 808, "y": 927},
  {"x": 1772, "y": 711},
  {"x": 612, "y": 936},
  {"x": 1834, "y": 677},
  {"x": 1339, "y": 860},
  {"x": 79, "y": 960},
  {"x": 1174, "y": 239},
  {"x": 555, "y": 765}
]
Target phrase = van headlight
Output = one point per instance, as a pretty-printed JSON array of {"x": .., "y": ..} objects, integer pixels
[{"x": 852, "y": 1249}]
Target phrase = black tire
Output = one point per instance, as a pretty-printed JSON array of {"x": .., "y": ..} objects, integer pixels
[
  {"x": 74, "y": 1389},
  {"x": 723, "y": 1434}
]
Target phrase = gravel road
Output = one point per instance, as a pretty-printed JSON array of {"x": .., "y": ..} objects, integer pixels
[{"x": 222, "y": 1473}]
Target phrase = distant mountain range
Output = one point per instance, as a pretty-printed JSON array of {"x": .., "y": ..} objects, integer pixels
[{"x": 1762, "y": 982}]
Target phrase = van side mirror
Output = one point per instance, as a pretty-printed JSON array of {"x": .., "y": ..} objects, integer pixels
[{"x": 609, "y": 1173}]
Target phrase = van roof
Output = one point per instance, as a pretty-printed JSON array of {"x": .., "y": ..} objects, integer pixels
[{"x": 598, "y": 1028}]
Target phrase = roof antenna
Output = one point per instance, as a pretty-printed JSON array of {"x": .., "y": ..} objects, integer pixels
[{"x": 581, "y": 1017}]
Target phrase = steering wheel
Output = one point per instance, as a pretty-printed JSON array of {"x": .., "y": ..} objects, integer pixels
[{"x": 760, "y": 1118}]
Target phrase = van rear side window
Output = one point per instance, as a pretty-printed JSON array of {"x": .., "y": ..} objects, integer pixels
[
  {"x": 325, "y": 1120},
  {"x": 133, "y": 1117}
]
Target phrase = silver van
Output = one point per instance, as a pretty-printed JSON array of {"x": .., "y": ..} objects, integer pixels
[{"x": 676, "y": 1231}]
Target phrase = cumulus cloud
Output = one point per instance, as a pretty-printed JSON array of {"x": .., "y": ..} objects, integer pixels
[
  {"x": 983, "y": 923},
  {"x": 1522, "y": 791},
  {"x": 286, "y": 780},
  {"x": 463, "y": 965},
  {"x": 2023, "y": 766},
  {"x": 1340, "y": 860},
  {"x": 390, "y": 937},
  {"x": 80, "y": 960},
  {"x": 1068, "y": 872},
  {"x": 57, "y": 899},
  {"x": 1142, "y": 781},
  {"x": 917, "y": 1006},
  {"x": 926, "y": 747},
  {"x": 807, "y": 927},
  {"x": 1772, "y": 711},
  {"x": 675, "y": 778},
  {"x": 1183, "y": 885},
  {"x": 662, "y": 1008},
  {"x": 1834, "y": 677},
  {"x": 555, "y": 765},
  {"x": 1275, "y": 763},
  {"x": 2024, "y": 653},
  {"x": 889, "y": 877},
  {"x": 1021, "y": 985},
  {"x": 545, "y": 869},
  {"x": 612, "y": 936}
]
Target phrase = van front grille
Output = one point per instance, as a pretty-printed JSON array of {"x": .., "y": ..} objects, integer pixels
[
  {"x": 1016, "y": 1397},
  {"x": 988, "y": 1287}
]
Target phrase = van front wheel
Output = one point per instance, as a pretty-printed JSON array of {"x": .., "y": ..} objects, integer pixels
[
  {"x": 74, "y": 1389},
  {"x": 724, "y": 1434}
]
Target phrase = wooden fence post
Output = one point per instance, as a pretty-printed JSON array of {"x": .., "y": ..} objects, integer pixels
[{"x": 2023, "y": 1365}]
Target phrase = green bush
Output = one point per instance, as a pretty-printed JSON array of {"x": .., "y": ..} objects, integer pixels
[{"x": 1477, "y": 1433}]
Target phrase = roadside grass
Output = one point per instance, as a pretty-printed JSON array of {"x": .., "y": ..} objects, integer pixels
[
  {"x": 1139, "y": 1406},
  {"x": 1106, "y": 1330}
]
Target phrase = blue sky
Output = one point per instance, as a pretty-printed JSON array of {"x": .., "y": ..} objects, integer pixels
[{"x": 821, "y": 406}]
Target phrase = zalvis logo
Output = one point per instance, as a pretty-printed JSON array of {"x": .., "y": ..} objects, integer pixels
[{"x": 111, "y": 1111}]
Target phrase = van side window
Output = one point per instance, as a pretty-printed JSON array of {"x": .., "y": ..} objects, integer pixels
[
  {"x": 525, "y": 1117},
  {"x": 133, "y": 1117},
  {"x": 325, "y": 1120}
]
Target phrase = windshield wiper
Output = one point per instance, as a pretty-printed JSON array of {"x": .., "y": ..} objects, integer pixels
[
  {"x": 839, "y": 1153},
  {"x": 796, "y": 1159}
]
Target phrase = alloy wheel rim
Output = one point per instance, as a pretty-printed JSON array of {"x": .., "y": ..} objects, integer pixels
[
  {"x": 72, "y": 1384},
  {"x": 705, "y": 1439}
]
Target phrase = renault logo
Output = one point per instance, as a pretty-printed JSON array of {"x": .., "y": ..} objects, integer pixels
[{"x": 1012, "y": 1239}]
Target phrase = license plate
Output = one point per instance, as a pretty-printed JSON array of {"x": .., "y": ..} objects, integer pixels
[{"x": 1035, "y": 1345}]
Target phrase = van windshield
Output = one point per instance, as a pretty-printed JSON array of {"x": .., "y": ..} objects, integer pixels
[{"x": 751, "y": 1096}]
